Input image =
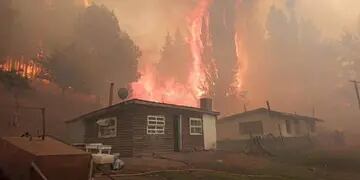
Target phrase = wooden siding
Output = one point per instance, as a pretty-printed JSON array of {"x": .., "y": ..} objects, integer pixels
[
  {"x": 132, "y": 138},
  {"x": 144, "y": 143},
  {"x": 122, "y": 143}
]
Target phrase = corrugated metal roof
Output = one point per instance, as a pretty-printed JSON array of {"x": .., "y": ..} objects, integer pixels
[{"x": 147, "y": 103}]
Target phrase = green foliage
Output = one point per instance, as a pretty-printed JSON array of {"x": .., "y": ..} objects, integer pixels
[
  {"x": 62, "y": 70},
  {"x": 100, "y": 53}
]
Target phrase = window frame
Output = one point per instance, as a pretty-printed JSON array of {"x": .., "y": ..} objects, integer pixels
[
  {"x": 159, "y": 127},
  {"x": 196, "y": 126},
  {"x": 113, "y": 126}
]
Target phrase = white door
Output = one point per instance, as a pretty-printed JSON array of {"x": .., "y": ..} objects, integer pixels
[{"x": 209, "y": 130}]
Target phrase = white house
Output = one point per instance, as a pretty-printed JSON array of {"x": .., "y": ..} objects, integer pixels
[{"x": 264, "y": 122}]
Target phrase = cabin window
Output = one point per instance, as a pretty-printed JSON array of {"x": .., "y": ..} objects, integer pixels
[
  {"x": 196, "y": 127},
  {"x": 251, "y": 128},
  {"x": 107, "y": 127},
  {"x": 155, "y": 125}
]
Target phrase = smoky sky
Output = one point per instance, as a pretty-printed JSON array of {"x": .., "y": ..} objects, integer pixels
[{"x": 292, "y": 48}]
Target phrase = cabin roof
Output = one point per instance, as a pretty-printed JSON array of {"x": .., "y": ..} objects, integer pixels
[
  {"x": 146, "y": 103},
  {"x": 271, "y": 113}
]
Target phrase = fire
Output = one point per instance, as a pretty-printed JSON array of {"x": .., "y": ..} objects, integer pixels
[
  {"x": 242, "y": 65},
  {"x": 152, "y": 87},
  {"x": 25, "y": 67},
  {"x": 86, "y": 3},
  {"x": 167, "y": 90},
  {"x": 198, "y": 76}
]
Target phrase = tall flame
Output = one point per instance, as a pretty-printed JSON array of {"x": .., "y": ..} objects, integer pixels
[
  {"x": 237, "y": 86},
  {"x": 165, "y": 89},
  {"x": 198, "y": 76}
]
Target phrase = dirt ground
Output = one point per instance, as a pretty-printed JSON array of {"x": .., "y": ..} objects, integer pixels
[{"x": 336, "y": 164}]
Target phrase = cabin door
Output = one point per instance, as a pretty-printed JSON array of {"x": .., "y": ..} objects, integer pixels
[{"x": 178, "y": 133}]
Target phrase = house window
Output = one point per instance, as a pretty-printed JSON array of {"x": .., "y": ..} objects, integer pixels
[
  {"x": 155, "y": 125},
  {"x": 107, "y": 127},
  {"x": 288, "y": 126},
  {"x": 196, "y": 127},
  {"x": 251, "y": 128}
]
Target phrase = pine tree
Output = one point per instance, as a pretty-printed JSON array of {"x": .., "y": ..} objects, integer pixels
[{"x": 175, "y": 58}]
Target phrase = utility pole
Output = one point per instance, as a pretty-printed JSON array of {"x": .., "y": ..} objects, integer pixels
[
  {"x": 111, "y": 94},
  {"x": 43, "y": 123},
  {"x": 356, "y": 90}
]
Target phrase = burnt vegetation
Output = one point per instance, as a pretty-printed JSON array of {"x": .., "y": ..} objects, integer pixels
[{"x": 85, "y": 48}]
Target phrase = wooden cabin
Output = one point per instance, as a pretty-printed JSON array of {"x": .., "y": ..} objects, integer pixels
[{"x": 136, "y": 127}]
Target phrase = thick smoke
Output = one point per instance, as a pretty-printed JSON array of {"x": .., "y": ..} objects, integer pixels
[
  {"x": 292, "y": 49},
  {"x": 297, "y": 53}
]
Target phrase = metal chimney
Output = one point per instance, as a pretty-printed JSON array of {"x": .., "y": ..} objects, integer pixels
[
  {"x": 206, "y": 104},
  {"x": 268, "y": 105},
  {"x": 111, "y": 94}
]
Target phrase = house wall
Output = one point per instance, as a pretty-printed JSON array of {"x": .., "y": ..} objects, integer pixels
[
  {"x": 132, "y": 138},
  {"x": 209, "y": 125},
  {"x": 227, "y": 130},
  {"x": 123, "y": 142},
  {"x": 145, "y": 143},
  {"x": 75, "y": 132},
  {"x": 273, "y": 125},
  {"x": 230, "y": 130}
]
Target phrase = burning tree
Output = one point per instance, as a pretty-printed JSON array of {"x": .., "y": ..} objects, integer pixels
[
  {"x": 175, "y": 53},
  {"x": 207, "y": 68}
]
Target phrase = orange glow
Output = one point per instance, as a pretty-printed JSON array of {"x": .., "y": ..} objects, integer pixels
[
  {"x": 86, "y": 3},
  {"x": 198, "y": 76},
  {"x": 152, "y": 87},
  {"x": 167, "y": 90},
  {"x": 25, "y": 67}
]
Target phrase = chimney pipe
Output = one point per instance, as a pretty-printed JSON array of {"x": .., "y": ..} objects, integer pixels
[
  {"x": 268, "y": 106},
  {"x": 206, "y": 104},
  {"x": 111, "y": 94}
]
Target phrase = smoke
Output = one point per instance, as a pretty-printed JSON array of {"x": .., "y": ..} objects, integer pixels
[
  {"x": 150, "y": 22},
  {"x": 291, "y": 49},
  {"x": 293, "y": 59}
]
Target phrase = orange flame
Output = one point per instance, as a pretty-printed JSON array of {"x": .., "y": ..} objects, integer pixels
[
  {"x": 237, "y": 86},
  {"x": 198, "y": 76},
  {"x": 167, "y": 90},
  {"x": 24, "y": 67},
  {"x": 86, "y": 3}
]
